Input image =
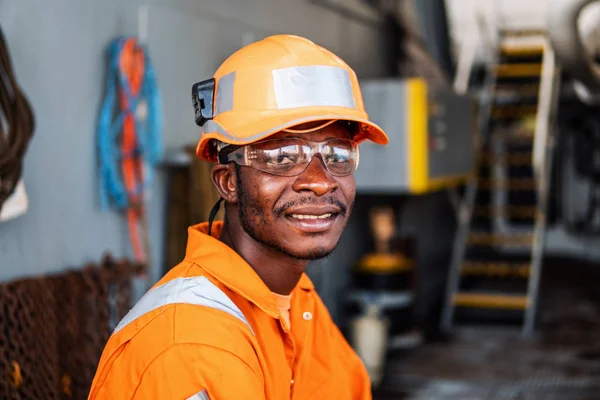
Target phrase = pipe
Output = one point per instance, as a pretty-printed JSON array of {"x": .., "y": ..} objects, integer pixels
[
  {"x": 434, "y": 20},
  {"x": 348, "y": 13},
  {"x": 563, "y": 16}
]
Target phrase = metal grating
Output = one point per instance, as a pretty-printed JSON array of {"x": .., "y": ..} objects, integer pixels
[{"x": 482, "y": 365}]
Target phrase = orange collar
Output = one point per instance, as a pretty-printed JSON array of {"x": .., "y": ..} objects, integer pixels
[{"x": 229, "y": 268}]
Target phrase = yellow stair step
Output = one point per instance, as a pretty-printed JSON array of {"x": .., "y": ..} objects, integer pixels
[
  {"x": 527, "y": 89},
  {"x": 491, "y": 239},
  {"x": 515, "y": 159},
  {"x": 485, "y": 300},
  {"x": 522, "y": 70},
  {"x": 496, "y": 269},
  {"x": 520, "y": 33},
  {"x": 514, "y": 111},
  {"x": 513, "y": 184},
  {"x": 516, "y": 50},
  {"x": 510, "y": 211}
]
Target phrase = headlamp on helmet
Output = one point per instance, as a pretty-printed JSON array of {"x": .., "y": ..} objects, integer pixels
[{"x": 203, "y": 94}]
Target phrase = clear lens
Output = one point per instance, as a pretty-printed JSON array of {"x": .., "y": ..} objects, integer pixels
[
  {"x": 291, "y": 156},
  {"x": 288, "y": 159},
  {"x": 339, "y": 156}
]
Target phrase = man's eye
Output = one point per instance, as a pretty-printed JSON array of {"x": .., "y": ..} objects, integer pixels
[
  {"x": 283, "y": 159},
  {"x": 336, "y": 158}
]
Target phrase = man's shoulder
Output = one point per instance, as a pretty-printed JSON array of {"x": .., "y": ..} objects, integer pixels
[
  {"x": 186, "y": 310},
  {"x": 183, "y": 320}
]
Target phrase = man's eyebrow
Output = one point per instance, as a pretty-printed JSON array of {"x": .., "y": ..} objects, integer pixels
[{"x": 293, "y": 136}]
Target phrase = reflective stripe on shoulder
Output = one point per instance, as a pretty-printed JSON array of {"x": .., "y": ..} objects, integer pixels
[
  {"x": 196, "y": 290},
  {"x": 199, "y": 396}
]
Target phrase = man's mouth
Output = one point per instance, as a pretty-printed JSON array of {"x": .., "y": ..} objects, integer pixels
[
  {"x": 306, "y": 208},
  {"x": 305, "y": 216},
  {"x": 313, "y": 219}
]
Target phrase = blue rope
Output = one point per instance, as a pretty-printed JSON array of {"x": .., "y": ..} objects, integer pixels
[{"x": 148, "y": 132}]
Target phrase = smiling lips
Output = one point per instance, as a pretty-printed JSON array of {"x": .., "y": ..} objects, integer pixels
[
  {"x": 313, "y": 219},
  {"x": 305, "y": 216}
]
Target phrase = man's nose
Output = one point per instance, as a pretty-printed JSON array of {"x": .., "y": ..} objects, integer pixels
[{"x": 316, "y": 179}]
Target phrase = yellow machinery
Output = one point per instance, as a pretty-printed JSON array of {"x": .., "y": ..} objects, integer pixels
[{"x": 431, "y": 132}]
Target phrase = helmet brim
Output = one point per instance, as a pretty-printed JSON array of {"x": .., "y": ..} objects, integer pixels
[{"x": 367, "y": 130}]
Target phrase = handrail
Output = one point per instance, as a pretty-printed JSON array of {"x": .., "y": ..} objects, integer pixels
[{"x": 544, "y": 112}]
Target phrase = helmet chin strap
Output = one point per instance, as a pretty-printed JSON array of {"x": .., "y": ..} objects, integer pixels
[{"x": 213, "y": 214}]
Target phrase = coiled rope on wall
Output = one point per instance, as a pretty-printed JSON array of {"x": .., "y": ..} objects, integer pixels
[
  {"x": 17, "y": 124},
  {"x": 130, "y": 137}
]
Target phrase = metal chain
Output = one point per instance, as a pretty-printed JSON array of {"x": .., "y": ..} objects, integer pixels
[{"x": 54, "y": 329}]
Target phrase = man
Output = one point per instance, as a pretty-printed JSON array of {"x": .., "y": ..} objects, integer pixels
[{"x": 238, "y": 318}]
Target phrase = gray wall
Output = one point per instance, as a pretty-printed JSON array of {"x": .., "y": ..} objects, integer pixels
[{"x": 58, "y": 51}]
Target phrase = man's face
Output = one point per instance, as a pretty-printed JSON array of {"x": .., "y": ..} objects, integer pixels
[{"x": 302, "y": 216}]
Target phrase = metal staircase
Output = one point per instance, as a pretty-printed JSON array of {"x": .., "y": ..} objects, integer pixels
[{"x": 498, "y": 251}]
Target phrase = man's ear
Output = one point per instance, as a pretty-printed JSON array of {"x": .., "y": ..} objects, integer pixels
[{"x": 224, "y": 179}]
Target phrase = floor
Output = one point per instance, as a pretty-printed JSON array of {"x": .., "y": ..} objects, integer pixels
[{"x": 561, "y": 362}]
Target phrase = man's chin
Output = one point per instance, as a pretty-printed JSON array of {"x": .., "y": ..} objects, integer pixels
[
  {"x": 308, "y": 249},
  {"x": 301, "y": 247},
  {"x": 312, "y": 254}
]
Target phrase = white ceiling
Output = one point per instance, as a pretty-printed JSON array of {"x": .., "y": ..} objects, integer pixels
[{"x": 518, "y": 14}]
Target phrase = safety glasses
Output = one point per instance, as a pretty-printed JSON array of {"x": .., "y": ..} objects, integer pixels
[{"x": 291, "y": 156}]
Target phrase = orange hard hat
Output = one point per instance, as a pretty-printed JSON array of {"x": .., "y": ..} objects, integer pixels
[{"x": 273, "y": 85}]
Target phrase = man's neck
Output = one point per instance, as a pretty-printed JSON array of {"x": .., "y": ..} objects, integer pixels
[{"x": 278, "y": 271}]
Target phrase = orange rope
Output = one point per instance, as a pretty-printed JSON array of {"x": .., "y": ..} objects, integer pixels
[{"x": 132, "y": 66}]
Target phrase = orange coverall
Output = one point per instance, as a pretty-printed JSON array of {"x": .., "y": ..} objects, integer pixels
[{"x": 211, "y": 329}]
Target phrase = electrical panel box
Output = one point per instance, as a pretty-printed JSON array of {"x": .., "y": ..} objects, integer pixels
[{"x": 432, "y": 138}]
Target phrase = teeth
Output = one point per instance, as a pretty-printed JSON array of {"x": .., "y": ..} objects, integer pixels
[{"x": 302, "y": 216}]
